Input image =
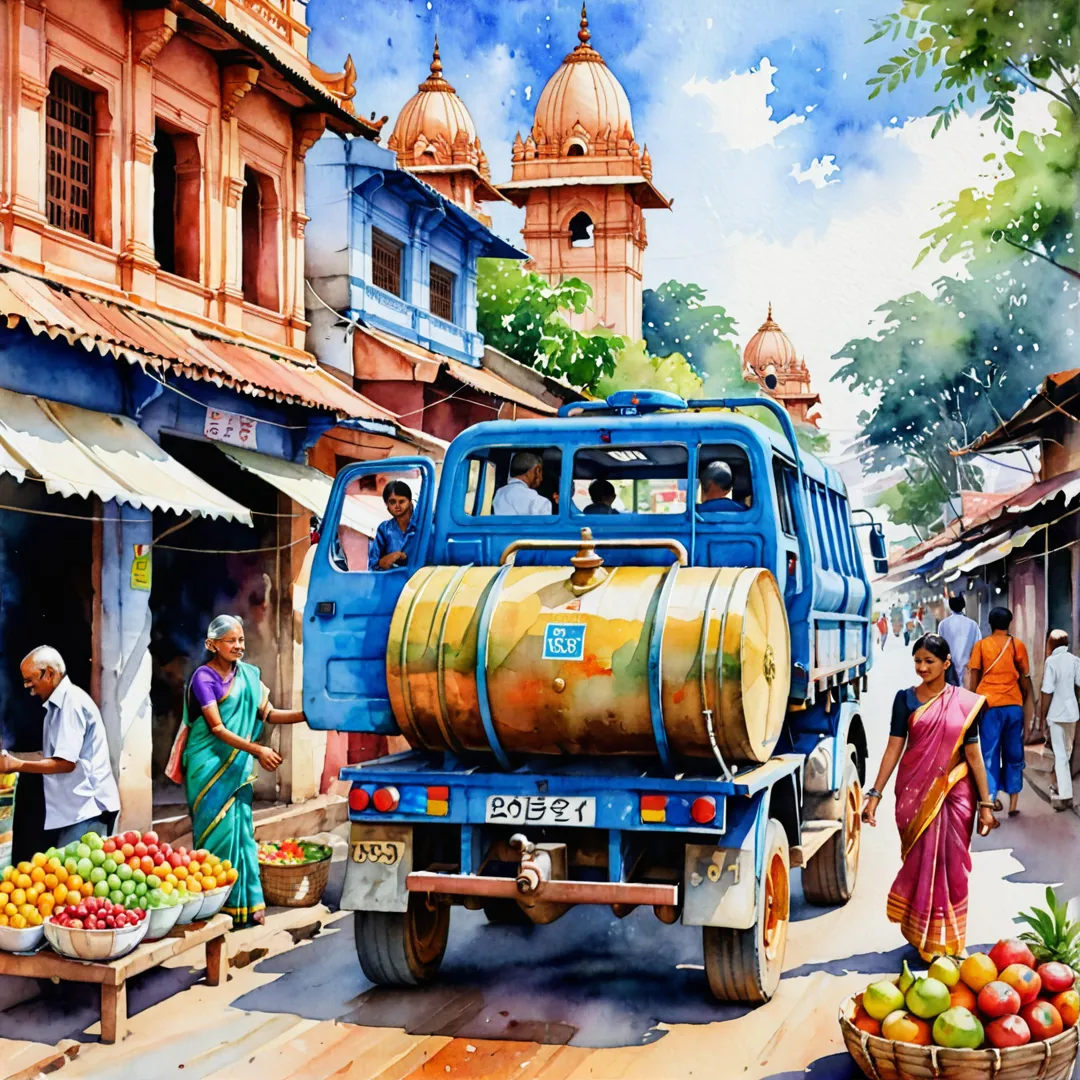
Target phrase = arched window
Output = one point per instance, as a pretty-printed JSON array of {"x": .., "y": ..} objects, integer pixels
[
  {"x": 581, "y": 230},
  {"x": 575, "y": 150},
  {"x": 177, "y": 184},
  {"x": 259, "y": 217}
]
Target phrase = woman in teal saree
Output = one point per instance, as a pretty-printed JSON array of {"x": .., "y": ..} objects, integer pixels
[{"x": 225, "y": 707}]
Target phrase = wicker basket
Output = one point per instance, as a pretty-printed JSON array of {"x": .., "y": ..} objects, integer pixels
[
  {"x": 883, "y": 1059},
  {"x": 295, "y": 886}
]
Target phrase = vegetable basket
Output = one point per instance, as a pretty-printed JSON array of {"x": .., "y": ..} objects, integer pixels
[
  {"x": 297, "y": 884},
  {"x": 883, "y": 1059}
]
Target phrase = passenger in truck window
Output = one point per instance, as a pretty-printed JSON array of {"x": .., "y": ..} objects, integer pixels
[
  {"x": 394, "y": 542},
  {"x": 716, "y": 484},
  {"x": 519, "y": 495},
  {"x": 602, "y": 493}
]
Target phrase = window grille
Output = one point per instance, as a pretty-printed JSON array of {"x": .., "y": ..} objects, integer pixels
[
  {"x": 442, "y": 292},
  {"x": 385, "y": 262},
  {"x": 70, "y": 166}
]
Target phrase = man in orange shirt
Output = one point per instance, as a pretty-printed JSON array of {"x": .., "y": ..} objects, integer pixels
[{"x": 999, "y": 670}]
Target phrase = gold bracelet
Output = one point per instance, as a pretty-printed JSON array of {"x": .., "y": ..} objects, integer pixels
[{"x": 988, "y": 803}]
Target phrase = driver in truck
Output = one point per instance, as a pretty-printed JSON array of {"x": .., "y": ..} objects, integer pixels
[
  {"x": 519, "y": 494},
  {"x": 716, "y": 484}
]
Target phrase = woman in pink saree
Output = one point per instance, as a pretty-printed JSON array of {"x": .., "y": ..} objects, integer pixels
[{"x": 941, "y": 787}]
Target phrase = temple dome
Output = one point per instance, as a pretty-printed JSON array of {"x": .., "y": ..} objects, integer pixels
[
  {"x": 435, "y": 128},
  {"x": 583, "y": 102},
  {"x": 770, "y": 345}
]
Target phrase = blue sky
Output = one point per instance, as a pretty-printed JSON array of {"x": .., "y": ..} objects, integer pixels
[{"x": 788, "y": 184}]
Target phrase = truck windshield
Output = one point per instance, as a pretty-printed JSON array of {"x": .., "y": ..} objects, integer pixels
[{"x": 630, "y": 480}]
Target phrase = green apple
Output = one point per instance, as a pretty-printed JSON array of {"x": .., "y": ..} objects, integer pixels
[
  {"x": 124, "y": 872},
  {"x": 131, "y": 901},
  {"x": 882, "y": 998},
  {"x": 153, "y": 881},
  {"x": 82, "y": 851},
  {"x": 71, "y": 865},
  {"x": 101, "y": 889},
  {"x": 98, "y": 876},
  {"x": 138, "y": 876},
  {"x": 93, "y": 841},
  {"x": 127, "y": 887},
  {"x": 958, "y": 1029},
  {"x": 927, "y": 998},
  {"x": 83, "y": 868},
  {"x": 72, "y": 850},
  {"x": 97, "y": 857},
  {"x": 114, "y": 882},
  {"x": 140, "y": 889},
  {"x": 116, "y": 896},
  {"x": 109, "y": 865}
]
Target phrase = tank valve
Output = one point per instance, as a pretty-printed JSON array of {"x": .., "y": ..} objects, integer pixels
[
  {"x": 588, "y": 566},
  {"x": 535, "y": 866}
]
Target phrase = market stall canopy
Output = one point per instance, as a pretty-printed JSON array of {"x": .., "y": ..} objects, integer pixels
[
  {"x": 309, "y": 488},
  {"x": 80, "y": 452}
]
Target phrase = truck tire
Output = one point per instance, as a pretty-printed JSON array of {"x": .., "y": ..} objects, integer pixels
[
  {"x": 745, "y": 965},
  {"x": 506, "y": 913},
  {"x": 829, "y": 877},
  {"x": 403, "y": 948}
]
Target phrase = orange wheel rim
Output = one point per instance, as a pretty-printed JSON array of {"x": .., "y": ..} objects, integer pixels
[
  {"x": 777, "y": 907},
  {"x": 853, "y": 826}
]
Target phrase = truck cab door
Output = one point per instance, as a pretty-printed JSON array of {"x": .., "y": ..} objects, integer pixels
[{"x": 349, "y": 605}]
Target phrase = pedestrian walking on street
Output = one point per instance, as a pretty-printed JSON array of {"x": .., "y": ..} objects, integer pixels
[
  {"x": 1058, "y": 712},
  {"x": 225, "y": 707},
  {"x": 81, "y": 795},
  {"x": 941, "y": 785},
  {"x": 999, "y": 670},
  {"x": 962, "y": 634},
  {"x": 883, "y": 629}
]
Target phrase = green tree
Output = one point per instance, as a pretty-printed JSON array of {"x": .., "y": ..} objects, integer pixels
[
  {"x": 523, "y": 315},
  {"x": 676, "y": 319},
  {"x": 918, "y": 502},
  {"x": 989, "y": 52},
  {"x": 635, "y": 369}
]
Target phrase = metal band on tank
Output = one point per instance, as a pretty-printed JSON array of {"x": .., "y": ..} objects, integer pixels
[
  {"x": 403, "y": 663},
  {"x": 441, "y": 716},
  {"x": 656, "y": 641},
  {"x": 709, "y": 715},
  {"x": 486, "y": 613}
]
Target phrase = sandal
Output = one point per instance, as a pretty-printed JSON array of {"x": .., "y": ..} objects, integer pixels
[
  {"x": 1014, "y": 813},
  {"x": 998, "y": 806}
]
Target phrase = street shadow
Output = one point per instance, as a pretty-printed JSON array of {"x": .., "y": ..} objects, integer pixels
[
  {"x": 833, "y": 1067},
  {"x": 586, "y": 980}
]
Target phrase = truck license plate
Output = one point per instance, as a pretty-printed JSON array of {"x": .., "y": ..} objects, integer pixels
[
  {"x": 387, "y": 852},
  {"x": 541, "y": 810}
]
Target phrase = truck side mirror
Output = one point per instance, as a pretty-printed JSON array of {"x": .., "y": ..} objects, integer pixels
[
  {"x": 877, "y": 546},
  {"x": 881, "y": 566}
]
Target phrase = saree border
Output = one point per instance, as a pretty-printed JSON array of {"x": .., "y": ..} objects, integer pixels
[{"x": 940, "y": 788}]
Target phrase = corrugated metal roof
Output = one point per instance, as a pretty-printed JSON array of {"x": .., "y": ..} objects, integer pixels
[
  {"x": 167, "y": 345},
  {"x": 80, "y": 452},
  {"x": 489, "y": 383}
]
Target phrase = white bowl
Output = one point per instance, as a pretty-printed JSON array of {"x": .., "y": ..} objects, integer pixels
[
  {"x": 214, "y": 901},
  {"x": 25, "y": 940},
  {"x": 94, "y": 944},
  {"x": 162, "y": 920},
  {"x": 189, "y": 910}
]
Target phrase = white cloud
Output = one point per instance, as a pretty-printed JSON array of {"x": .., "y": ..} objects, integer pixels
[
  {"x": 817, "y": 172},
  {"x": 740, "y": 114}
]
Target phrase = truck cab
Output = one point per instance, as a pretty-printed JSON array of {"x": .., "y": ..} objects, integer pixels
[{"x": 626, "y": 650}]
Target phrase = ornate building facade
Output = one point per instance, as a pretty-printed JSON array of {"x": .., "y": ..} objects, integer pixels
[
  {"x": 585, "y": 183},
  {"x": 770, "y": 360}
]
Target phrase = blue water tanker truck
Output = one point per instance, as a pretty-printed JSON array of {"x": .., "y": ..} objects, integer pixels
[{"x": 626, "y": 652}]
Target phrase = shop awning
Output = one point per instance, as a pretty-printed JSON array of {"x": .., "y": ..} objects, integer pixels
[
  {"x": 488, "y": 382},
  {"x": 80, "y": 452},
  {"x": 990, "y": 551},
  {"x": 169, "y": 346},
  {"x": 309, "y": 487}
]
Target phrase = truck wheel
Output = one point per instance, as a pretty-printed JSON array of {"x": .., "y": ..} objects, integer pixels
[
  {"x": 745, "y": 965},
  {"x": 829, "y": 877},
  {"x": 403, "y": 948},
  {"x": 506, "y": 913}
]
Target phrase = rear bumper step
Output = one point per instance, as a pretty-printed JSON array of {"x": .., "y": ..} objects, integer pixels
[{"x": 558, "y": 892}]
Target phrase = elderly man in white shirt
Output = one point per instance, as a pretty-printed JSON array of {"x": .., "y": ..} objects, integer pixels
[
  {"x": 519, "y": 495},
  {"x": 1059, "y": 712},
  {"x": 81, "y": 795}
]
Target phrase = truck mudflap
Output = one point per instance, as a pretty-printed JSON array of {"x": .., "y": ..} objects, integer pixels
[{"x": 379, "y": 864}]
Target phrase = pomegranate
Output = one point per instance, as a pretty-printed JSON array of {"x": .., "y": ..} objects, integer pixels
[{"x": 1010, "y": 951}]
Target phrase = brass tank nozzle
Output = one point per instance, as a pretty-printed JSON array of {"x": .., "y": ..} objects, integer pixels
[{"x": 588, "y": 566}]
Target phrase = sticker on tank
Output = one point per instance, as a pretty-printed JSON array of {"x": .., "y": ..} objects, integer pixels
[{"x": 564, "y": 641}]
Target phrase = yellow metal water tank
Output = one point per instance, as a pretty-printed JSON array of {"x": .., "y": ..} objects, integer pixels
[{"x": 680, "y": 662}]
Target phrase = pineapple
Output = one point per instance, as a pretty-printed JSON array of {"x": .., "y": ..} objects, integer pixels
[{"x": 1053, "y": 935}]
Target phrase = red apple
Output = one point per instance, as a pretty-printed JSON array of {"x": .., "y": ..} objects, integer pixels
[
  {"x": 1023, "y": 980},
  {"x": 176, "y": 859},
  {"x": 127, "y": 850},
  {"x": 109, "y": 846},
  {"x": 146, "y": 864},
  {"x": 152, "y": 849},
  {"x": 1008, "y": 1031},
  {"x": 140, "y": 849},
  {"x": 1056, "y": 977},
  {"x": 999, "y": 999},
  {"x": 159, "y": 859},
  {"x": 150, "y": 838},
  {"x": 131, "y": 837},
  {"x": 1043, "y": 1019},
  {"x": 1011, "y": 951}
]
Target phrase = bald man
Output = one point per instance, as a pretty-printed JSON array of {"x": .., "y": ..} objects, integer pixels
[{"x": 1058, "y": 712}]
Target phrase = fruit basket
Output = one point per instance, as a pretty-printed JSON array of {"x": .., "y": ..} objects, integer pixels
[
  {"x": 886, "y": 1059},
  {"x": 24, "y": 940},
  {"x": 294, "y": 873},
  {"x": 214, "y": 901},
  {"x": 78, "y": 943}
]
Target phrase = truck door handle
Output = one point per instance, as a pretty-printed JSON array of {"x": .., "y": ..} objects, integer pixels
[{"x": 326, "y": 608}]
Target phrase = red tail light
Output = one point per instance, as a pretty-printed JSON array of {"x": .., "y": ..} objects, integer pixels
[
  {"x": 792, "y": 563},
  {"x": 386, "y": 799},
  {"x": 358, "y": 799},
  {"x": 703, "y": 810}
]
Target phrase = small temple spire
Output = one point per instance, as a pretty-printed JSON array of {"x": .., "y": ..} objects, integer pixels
[
  {"x": 583, "y": 33},
  {"x": 436, "y": 61},
  {"x": 769, "y": 316}
]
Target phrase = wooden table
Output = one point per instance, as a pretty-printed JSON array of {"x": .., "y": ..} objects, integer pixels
[{"x": 112, "y": 976}]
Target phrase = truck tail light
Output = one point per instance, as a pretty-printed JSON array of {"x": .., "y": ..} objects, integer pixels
[
  {"x": 438, "y": 801},
  {"x": 358, "y": 799},
  {"x": 654, "y": 808},
  {"x": 792, "y": 563},
  {"x": 386, "y": 799},
  {"x": 703, "y": 810}
]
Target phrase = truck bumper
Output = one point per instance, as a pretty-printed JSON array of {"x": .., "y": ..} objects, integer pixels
[{"x": 556, "y": 892}]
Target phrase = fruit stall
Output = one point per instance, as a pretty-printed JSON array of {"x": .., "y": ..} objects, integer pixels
[
  {"x": 1009, "y": 1014},
  {"x": 103, "y": 909}
]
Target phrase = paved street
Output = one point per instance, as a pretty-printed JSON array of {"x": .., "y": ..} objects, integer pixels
[{"x": 588, "y": 997}]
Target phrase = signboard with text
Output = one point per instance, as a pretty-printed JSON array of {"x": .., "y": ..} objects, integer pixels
[{"x": 230, "y": 428}]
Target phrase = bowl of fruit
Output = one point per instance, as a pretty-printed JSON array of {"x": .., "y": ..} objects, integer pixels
[
  {"x": 30, "y": 892},
  {"x": 96, "y": 929},
  {"x": 21, "y": 938},
  {"x": 163, "y": 910},
  {"x": 1008, "y": 1014},
  {"x": 294, "y": 873},
  {"x": 190, "y": 906}
]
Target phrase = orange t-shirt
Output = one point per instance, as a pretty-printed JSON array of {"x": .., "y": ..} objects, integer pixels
[{"x": 1000, "y": 684}]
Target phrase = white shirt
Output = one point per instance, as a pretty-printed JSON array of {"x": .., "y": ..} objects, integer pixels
[
  {"x": 961, "y": 633},
  {"x": 75, "y": 732},
  {"x": 1061, "y": 677},
  {"x": 518, "y": 498}
]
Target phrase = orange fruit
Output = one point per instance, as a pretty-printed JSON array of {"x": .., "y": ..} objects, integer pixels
[
  {"x": 24, "y": 868},
  {"x": 53, "y": 865},
  {"x": 23, "y": 881},
  {"x": 231, "y": 875},
  {"x": 10, "y": 909},
  {"x": 977, "y": 971},
  {"x": 74, "y": 882},
  {"x": 86, "y": 888},
  {"x": 865, "y": 1022},
  {"x": 194, "y": 885},
  {"x": 181, "y": 872},
  {"x": 51, "y": 881},
  {"x": 18, "y": 897},
  {"x": 37, "y": 875},
  {"x": 963, "y": 997},
  {"x": 40, "y": 859},
  {"x": 18, "y": 922},
  {"x": 60, "y": 893},
  {"x": 3, "y": 919},
  {"x": 62, "y": 875},
  {"x": 7, "y": 887}
]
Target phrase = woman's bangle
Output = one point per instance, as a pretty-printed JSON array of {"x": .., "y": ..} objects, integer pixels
[
  {"x": 873, "y": 793},
  {"x": 987, "y": 803}
]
